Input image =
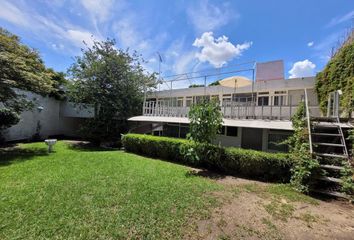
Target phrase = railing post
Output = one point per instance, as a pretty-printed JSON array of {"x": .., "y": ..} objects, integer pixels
[
  {"x": 238, "y": 111},
  {"x": 308, "y": 120},
  {"x": 290, "y": 104},
  {"x": 271, "y": 108}
]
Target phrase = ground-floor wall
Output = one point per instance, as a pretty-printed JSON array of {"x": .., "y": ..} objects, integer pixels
[
  {"x": 43, "y": 120},
  {"x": 249, "y": 138}
]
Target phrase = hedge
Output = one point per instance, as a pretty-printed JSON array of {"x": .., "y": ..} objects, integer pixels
[{"x": 235, "y": 161}]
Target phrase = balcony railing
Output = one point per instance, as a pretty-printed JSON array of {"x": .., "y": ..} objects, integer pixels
[{"x": 231, "y": 110}]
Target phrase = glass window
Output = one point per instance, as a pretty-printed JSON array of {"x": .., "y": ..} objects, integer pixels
[
  {"x": 189, "y": 101},
  {"x": 231, "y": 131},
  {"x": 274, "y": 140},
  {"x": 180, "y": 102},
  {"x": 279, "y": 100},
  {"x": 263, "y": 101},
  {"x": 222, "y": 130}
]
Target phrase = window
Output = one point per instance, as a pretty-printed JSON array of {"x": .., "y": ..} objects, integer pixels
[
  {"x": 263, "y": 101},
  {"x": 222, "y": 131},
  {"x": 242, "y": 98},
  {"x": 231, "y": 131},
  {"x": 189, "y": 101},
  {"x": 180, "y": 102},
  {"x": 280, "y": 92},
  {"x": 200, "y": 99},
  {"x": 226, "y": 99},
  {"x": 279, "y": 100},
  {"x": 275, "y": 138}
]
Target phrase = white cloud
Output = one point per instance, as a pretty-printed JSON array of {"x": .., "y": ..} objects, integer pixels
[
  {"x": 218, "y": 51},
  {"x": 128, "y": 34},
  {"x": 302, "y": 69},
  {"x": 58, "y": 47},
  {"x": 58, "y": 36},
  {"x": 11, "y": 13},
  {"x": 340, "y": 19},
  {"x": 208, "y": 17},
  {"x": 77, "y": 37},
  {"x": 100, "y": 10},
  {"x": 310, "y": 44}
]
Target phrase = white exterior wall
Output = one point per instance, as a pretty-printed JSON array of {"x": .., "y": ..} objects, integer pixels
[
  {"x": 228, "y": 141},
  {"x": 50, "y": 120}
]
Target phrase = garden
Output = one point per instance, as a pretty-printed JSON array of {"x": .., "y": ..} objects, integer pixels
[{"x": 84, "y": 192}]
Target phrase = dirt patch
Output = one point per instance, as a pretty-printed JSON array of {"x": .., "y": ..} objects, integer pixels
[{"x": 249, "y": 210}]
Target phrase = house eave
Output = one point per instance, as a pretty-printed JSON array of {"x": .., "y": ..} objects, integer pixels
[{"x": 250, "y": 123}]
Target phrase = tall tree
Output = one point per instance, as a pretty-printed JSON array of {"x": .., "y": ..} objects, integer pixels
[
  {"x": 113, "y": 81},
  {"x": 338, "y": 74},
  {"x": 21, "y": 68}
]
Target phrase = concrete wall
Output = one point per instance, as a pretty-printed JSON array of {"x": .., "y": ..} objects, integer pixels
[
  {"x": 49, "y": 119},
  {"x": 228, "y": 141}
]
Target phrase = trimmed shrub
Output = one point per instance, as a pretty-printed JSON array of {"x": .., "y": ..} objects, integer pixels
[
  {"x": 258, "y": 165},
  {"x": 155, "y": 147},
  {"x": 234, "y": 161}
]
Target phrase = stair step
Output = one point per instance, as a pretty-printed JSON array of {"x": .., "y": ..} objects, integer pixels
[
  {"x": 331, "y": 155},
  {"x": 327, "y": 134},
  {"x": 328, "y": 125},
  {"x": 329, "y": 144},
  {"x": 323, "y": 119},
  {"x": 330, "y": 179},
  {"x": 331, "y": 193},
  {"x": 332, "y": 167}
]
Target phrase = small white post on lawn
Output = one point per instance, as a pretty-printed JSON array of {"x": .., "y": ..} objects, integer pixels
[{"x": 50, "y": 143}]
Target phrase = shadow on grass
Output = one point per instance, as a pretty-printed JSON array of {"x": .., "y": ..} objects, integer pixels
[
  {"x": 13, "y": 154},
  {"x": 88, "y": 147},
  {"x": 205, "y": 173}
]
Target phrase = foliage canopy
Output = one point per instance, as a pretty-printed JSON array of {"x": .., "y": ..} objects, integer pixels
[
  {"x": 22, "y": 69},
  {"x": 338, "y": 74},
  {"x": 113, "y": 82},
  {"x": 205, "y": 121}
]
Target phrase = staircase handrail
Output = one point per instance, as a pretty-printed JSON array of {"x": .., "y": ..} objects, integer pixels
[{"x": 308, "y": 120}]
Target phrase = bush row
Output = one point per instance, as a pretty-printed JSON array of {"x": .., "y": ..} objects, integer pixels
[{"x": 234, "y": 161}]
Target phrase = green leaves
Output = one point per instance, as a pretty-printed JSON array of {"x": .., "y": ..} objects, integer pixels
[
  {"x": 21, "y": 69},
  {"x": 113, "y": 81},
  {"x": 236, "y": 161},
  {"x": 205, "y": 121},
  {"x": 305, "y": 166},
  {"x": 338, "y": 74},
  {"x": 8, "y": 118}
]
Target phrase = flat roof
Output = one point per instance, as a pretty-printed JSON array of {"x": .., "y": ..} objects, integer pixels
[{"x": 250, "y": 123}]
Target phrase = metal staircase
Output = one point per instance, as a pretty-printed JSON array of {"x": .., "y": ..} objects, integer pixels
[{"x": 328, "y": 145}]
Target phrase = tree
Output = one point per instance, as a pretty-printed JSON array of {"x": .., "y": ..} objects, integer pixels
[
  {"x": 338, "y": 74},
  {"x": 113, "y": 82},
  {"x": 59, "y": 83},
  {"x": 21, "y": 69},
  {"x": 205, "y": 121}
]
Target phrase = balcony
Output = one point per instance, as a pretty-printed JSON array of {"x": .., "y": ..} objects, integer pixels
[{"x": 231, "y": 110}]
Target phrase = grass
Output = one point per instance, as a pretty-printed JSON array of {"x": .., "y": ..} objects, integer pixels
[
  {"x": 90, "y": 193},
  {"x": 84, "y": 194},
  {"x": 282, "y": 211}
]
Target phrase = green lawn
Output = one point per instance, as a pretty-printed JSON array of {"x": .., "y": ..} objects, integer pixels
[{"x": 87, "y": 194}]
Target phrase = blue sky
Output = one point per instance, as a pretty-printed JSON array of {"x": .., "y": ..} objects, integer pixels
[{"x": 190, "y": 35}]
